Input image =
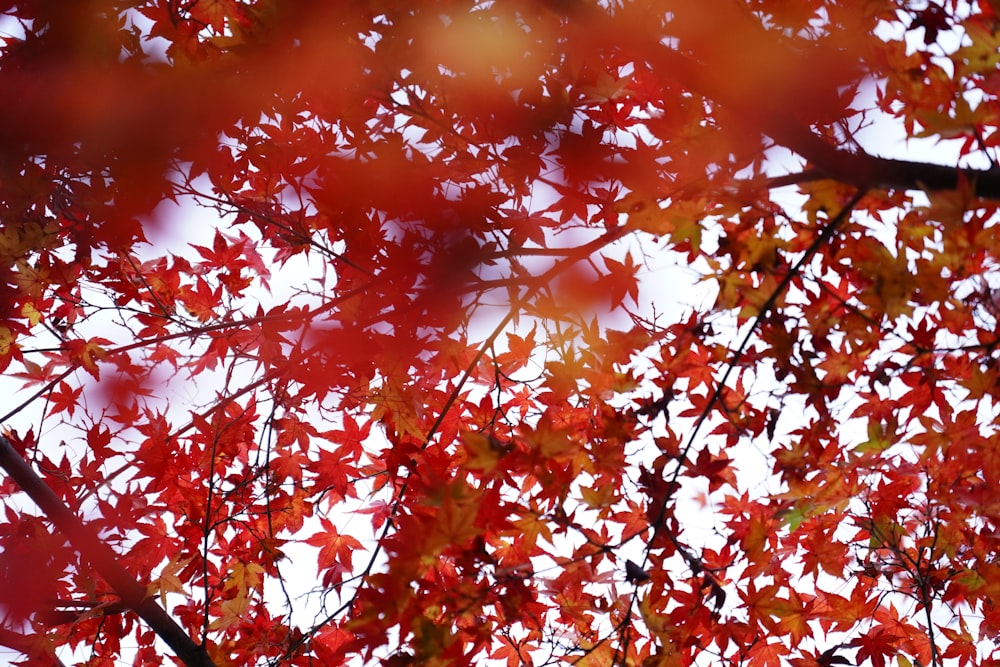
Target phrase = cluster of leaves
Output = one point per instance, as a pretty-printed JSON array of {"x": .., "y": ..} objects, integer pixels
[{"x": 417, "y": 347}]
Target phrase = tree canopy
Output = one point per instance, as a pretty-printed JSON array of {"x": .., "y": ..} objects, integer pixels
[{"x": 521, "y": 332}]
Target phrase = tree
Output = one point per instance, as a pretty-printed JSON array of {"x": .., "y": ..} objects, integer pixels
[{"x": 461, "y": 404}]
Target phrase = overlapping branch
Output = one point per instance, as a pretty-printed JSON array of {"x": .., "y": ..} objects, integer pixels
[{"x": 86, "y": 541}]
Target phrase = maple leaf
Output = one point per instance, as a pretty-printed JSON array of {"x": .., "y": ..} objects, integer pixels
[
  {"x": 716, "y": 470},
  {"x": 65, "y": 398},
  {"x": 243, "y": 580},
  {"x": 8, "y": 348},
  {"x": 98, "y": 439},
  {"x": 484, "y": 452},
  {"x": 169, "y": 581},
  {"x": 87, "y": 353},
  {"x": 335, "y": 549},
  {"x": 876, "y": 645},
  {"x": 519, "y": 351},
  {"x": 621, "y": 280},
  {"x": 768, "y": 654},
  {"x": 933, "y": 20},
  {"x": 634, "y": 574}
]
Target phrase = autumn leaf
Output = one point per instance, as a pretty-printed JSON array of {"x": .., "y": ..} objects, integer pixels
[
  {"x": 87, "y": 353},
  {"x": 484, "y": 451},
  {"x": 876, "y": 645},
  {"x": 634, "y": 574},
  {"x": 243, "y": 581},
  {"x": 169, "y": 581},
  {"x": 621, "y": 280},
  {"x": 768, "y": 654},
  {"x": 335, "y": 549}
]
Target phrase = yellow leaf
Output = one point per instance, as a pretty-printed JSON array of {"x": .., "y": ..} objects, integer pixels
[
  {"x": 960, "y": 122},
  {"x": 597, "y": 656},
  {"x": 529, "y": 528},
  {"x": 601, "y": 497},
  {"x": 17, "y": 241},
  {"x": 168, "y": 582},
  {"x": 32, "y": 280},
  {"x": 232, "y": 611},
  {"x": 481, "y": 452},
  {"x": 7, "y": 338},
  {"x": 244, "y": 576},
  {"x": 643, "y": 214},
  {"x": 28, "y": 310},
  {"x": 826, "y": 196},
  {"x": 606, "y": 88},
  {"x": 983, "y": 55},
  {"x": 87, "y": 353}
]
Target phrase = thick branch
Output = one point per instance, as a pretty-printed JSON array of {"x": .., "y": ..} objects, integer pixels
[
  {"x": 102, "y": 558},
  {"x": 764, "y": 101},
  {"x": 868, "y": 171},
  {"x": 860, "y": 169},
  {"x": 903, "y": 175},
  {"x": 36, "y": 650},
  {"x": 887, "y": 174}
]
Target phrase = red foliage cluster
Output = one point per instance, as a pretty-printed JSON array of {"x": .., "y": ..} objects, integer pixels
[{"x": 424, "y": 341}]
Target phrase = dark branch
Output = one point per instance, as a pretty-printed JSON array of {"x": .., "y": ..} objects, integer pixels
[
  {"x": 102, "y": 558},
  {"x": 868, "y": 171},
  {"x": 764, "y": 112},
  {"x": 35, "y": 648}
]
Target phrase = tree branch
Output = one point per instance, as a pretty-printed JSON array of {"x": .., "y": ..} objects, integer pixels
[
  {"x": 102, "y": 558},
  {"x": 868, "y": 171},
  {"x": 765, "y": 103},
  {"x": 33, "y": 647}
]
